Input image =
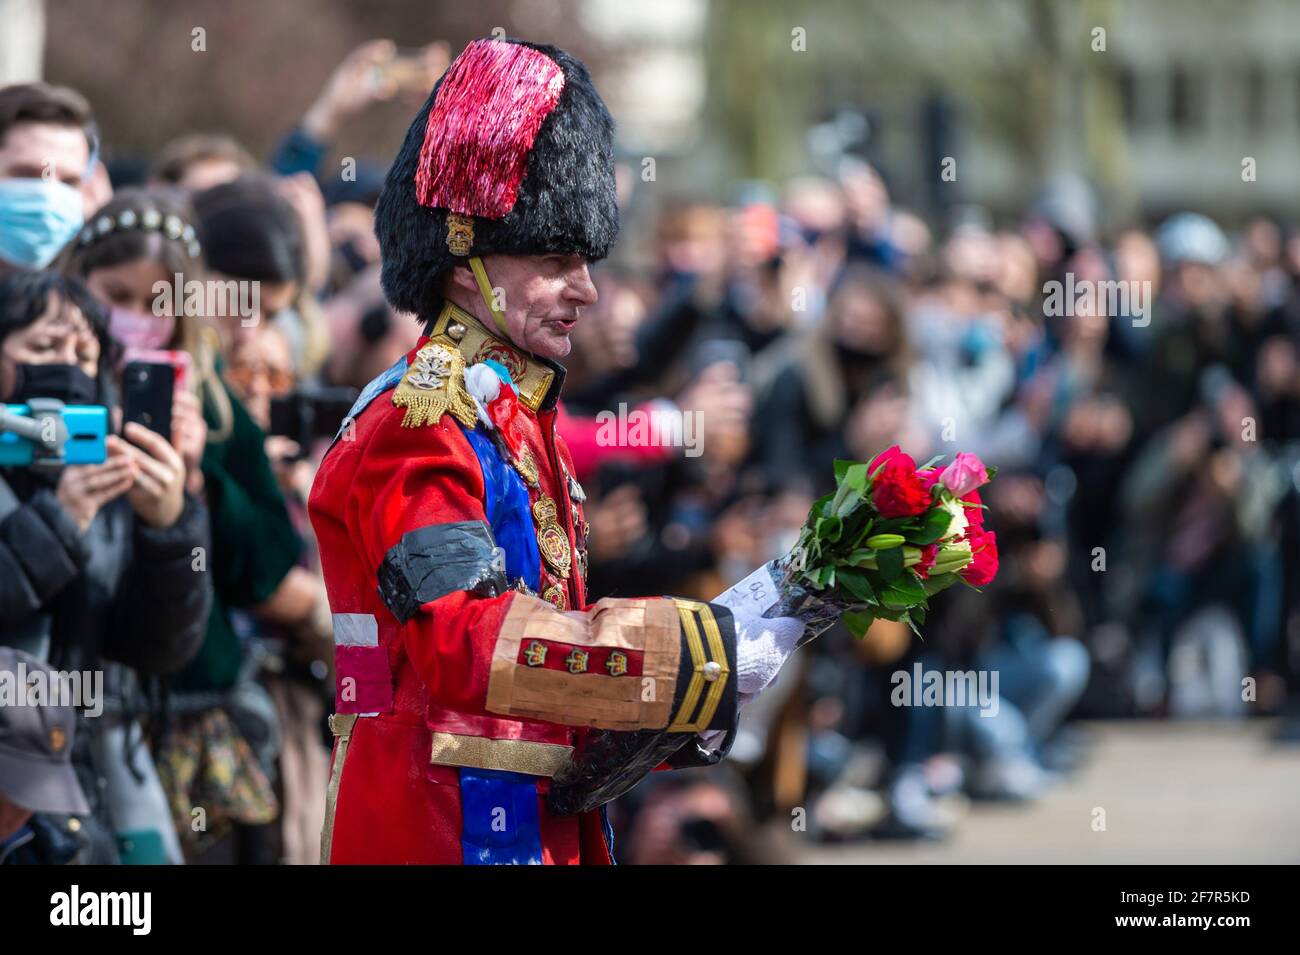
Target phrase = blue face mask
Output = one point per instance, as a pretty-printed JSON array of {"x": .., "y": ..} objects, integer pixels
[{"x": 38, "y": 217}]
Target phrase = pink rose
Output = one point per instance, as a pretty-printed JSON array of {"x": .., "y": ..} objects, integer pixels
[{"x": 965, "y": 474}]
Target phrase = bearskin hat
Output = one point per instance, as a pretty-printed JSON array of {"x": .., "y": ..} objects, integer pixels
[{"x": 513, "y": 152}]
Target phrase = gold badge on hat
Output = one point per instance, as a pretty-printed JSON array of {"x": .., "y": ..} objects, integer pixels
[
  {"x": 460, "y": 234},
  {"x": 58, "y": 739}
]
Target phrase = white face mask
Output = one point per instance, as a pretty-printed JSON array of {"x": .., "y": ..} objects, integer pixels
[{"x": 38, "y": 217}]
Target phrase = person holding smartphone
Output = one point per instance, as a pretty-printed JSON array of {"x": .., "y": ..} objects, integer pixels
[{"x": 96, "y": 561}]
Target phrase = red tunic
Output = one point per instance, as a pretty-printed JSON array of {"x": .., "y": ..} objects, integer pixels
[{"x": 502, "y": 682}]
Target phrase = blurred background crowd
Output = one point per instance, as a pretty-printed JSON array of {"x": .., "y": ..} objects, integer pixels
[{"x": 1147, "y": 504}]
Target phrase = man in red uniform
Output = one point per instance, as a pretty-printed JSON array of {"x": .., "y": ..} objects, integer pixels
[{"x": 451, "y": 529}]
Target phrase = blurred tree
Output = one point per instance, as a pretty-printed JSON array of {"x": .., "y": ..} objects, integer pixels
[{"x": 260, "y": 64}]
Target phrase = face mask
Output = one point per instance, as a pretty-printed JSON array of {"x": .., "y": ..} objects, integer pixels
[
  {"x": 138, "y": 330},
  {"x": 67, "y": 383},
  {"x": 37, "y": 219}
]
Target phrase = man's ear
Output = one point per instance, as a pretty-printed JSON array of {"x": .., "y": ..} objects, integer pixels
[{"x": 462, "y": 277}]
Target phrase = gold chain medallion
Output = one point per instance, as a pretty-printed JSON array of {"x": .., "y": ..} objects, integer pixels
[
  {"x": 551, "y": 539},
  {"x": 556, "y": 595},
  {"x": 526, "y": 466}
]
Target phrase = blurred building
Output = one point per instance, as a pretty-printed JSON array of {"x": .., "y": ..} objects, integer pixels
[{"x": 1159, "y": 111}]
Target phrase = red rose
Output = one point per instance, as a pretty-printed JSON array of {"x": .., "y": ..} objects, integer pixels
[
  {"x": 892, "y": 453},
  {"x": 897, "y": 491},
  {"x": 984, "y": 556},
  {"x": 927, "y": 560}
]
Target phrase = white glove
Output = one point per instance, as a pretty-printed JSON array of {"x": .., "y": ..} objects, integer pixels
[{"x": 762, "y": 647}]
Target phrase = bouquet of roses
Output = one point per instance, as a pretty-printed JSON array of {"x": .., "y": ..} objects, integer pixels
[{"x": 890, "y": 537}]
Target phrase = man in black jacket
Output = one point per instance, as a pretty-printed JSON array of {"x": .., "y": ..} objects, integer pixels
[{"x": 99, "y": 564}]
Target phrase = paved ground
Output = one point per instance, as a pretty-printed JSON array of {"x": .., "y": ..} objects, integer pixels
[{"x": 1172, "y": 793}]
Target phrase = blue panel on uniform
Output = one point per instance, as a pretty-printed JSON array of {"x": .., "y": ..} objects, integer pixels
[
  {"x": 499, "y": 818},
  {"x": 507, "y": 510}
]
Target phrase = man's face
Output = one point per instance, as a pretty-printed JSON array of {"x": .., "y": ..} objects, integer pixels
[
  {"x": 45, "y": 151},
  {"x": 541, "y": 295},
  {"x": 12, "y": 817}
]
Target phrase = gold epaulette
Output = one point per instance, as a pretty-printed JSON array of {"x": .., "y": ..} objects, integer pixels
[{"x": 434, "y": 385}]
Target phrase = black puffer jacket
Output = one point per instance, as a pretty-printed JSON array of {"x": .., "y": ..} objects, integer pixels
[
  {"x": 124, "y": 598},
  {"x": 123, "y": 591}
]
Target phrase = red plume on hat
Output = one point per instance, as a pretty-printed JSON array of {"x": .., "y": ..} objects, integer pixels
[{"x": 513, "y": 152}]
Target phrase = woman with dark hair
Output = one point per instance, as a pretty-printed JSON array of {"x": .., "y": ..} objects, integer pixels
[
  {"x": 136, "y": 252},
  {"x": 856, "y": 361},
  {"x": 96, "y": 560},
  {"x": 251, "y": 233}
]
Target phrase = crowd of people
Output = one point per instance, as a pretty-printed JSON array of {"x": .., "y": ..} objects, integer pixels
[{"x": 1145, "y": 506}]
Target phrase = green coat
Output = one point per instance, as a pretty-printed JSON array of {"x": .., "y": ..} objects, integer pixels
[{"x": 254, "y": 544}]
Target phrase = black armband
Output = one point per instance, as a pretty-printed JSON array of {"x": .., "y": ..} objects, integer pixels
[{"x": 437, "y": 560}]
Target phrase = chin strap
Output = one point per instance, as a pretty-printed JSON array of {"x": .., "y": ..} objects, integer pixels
[{"x": 485, "y": 290}]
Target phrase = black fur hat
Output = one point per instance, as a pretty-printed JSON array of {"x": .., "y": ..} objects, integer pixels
[{"x": 519, "y": 150}]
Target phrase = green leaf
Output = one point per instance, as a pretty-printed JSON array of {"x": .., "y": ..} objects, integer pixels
[
  {"x": 939, "y": 582},
  {"x": 890, "y": 563},
  {"x": 934, "y": 525},
  {"x": 856, "y": 583},
  {"x": 863, "y": 534},
  {"x": 858, "y": 623},
  {"x": 928, "y": 464},
  {"x": 856, "y": 477},
  {"x": 828, "y": 528},
  {"x": 841, "y": 467},
  {"x": 908, "y": 587},
  {"x": 903, "y": 593}
]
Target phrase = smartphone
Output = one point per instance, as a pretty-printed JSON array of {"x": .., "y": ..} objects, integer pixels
[
  {"x": 86, "y": 444},
  {"x": 310, "y": 414},
  {"x": 177, "y": 358},
  {"x": 147, "y": 390},
  {"x": 719, "y": 350}
]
